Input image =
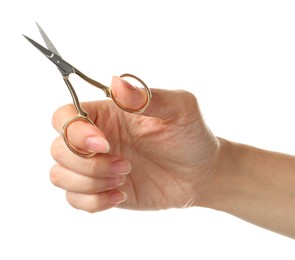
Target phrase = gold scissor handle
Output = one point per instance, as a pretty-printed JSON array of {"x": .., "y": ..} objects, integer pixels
[
  {"x": 83, "y": 115},
  {"x": 146, "y": 90},
  {"x": 64, "y": 134},
  {"x": 109, "y": 93}
]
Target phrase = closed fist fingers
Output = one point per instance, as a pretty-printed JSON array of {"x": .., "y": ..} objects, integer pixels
[
  {"x": 96, "y": 202},
  {"x": 101, "y": 165},
  {"x": 74, "y": 182}
]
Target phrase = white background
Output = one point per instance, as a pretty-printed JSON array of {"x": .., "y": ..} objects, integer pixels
[{"x": 237, "y": 57}]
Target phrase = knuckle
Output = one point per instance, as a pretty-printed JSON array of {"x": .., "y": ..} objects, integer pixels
[
  {"x": 188, "y": 99},
  {"x": 92, "y": 209},
  {"x": 97, "y": 166},
  {"x": 188, "y": 103},
  {"x": 90, "y": 204},
  {"x": 93, "y": 167},
  {"x": 54, "y": 175},
  {"x": 96, "y": 205},
  {"x": 57, "y": 115},
  {"x": 70, "y": 199},
  {"x": 56, "y": 149},
  {"x": 93, "y": 186}
]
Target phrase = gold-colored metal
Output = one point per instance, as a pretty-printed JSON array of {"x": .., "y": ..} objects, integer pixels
[
  {"x": 64, "y": 134},
  {"x": 94, "y": 83},
  {"x": 83, "y": 115},
  {"x": 66, "y": 70},
  {"x": 75, "y": 97},
  {"x": 147, "y": 90}
]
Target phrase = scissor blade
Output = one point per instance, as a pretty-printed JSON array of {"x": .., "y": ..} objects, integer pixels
[
  {"x": 64, "y": 67},
  {"x": 47, "y": 41},
  {"x": 46, "y": 52}
]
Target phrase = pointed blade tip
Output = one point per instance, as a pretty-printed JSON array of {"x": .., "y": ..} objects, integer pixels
[
  {"x": 47, "y": 41},
  {"x": 45, "y": 51}
]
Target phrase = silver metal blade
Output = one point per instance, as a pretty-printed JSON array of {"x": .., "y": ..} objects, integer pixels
[
  {"x": 46, "y": 52},
  {"x": 64, "y": 67},
  {"x": 47, "y": 41}
]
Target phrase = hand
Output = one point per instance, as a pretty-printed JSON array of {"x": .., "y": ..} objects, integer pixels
[{"x": 159, "y": 159}]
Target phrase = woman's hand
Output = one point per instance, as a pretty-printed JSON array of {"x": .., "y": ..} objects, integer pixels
[{"x": 155, "y": 160}]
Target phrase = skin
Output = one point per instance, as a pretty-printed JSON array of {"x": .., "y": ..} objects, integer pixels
[{"x": 166, "y": 157}]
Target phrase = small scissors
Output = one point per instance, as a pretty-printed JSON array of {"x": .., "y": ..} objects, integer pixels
[{"x": 66, "y": 69}]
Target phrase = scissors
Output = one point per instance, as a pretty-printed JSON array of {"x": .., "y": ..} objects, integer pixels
[{"x": 66, "y": 69}]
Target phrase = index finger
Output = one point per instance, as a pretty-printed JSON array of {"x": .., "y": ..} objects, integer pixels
[{"x": 83, "y": 136}]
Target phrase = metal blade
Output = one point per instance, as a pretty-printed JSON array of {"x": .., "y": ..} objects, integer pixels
[
  {"x": 47, "y": 41},
  {"x": 46, "y": 52},
  {"x": 64, "y": 67}
]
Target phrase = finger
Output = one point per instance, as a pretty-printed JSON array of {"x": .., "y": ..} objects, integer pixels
[
  {"x": 96, "y": 202},
  {"x": 128, "y": 96},
  {"x": 165, "y": 104},
  {"x": 171, "y": 104},
  {"x": 95, "y": 110},
  {"x": 101, "y": 165},
  {"x": 74, "y": 182},
  {"x": 81, "y": 134}
]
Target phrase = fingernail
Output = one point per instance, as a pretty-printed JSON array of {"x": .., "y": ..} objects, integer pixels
[
  {"x": 120, "y": 167},
  {"x": 117, "y": 197},
  {"x": 116, "y": 181},
  {"x": 97, "y": 144},
  {"x": 119, "y": 80}
]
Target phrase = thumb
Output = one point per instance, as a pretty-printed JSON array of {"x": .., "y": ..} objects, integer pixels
[
  {"x": 129, "y": 97},
  {"x": 171, "y": 104},
  {"x": 165, "y": 104}
]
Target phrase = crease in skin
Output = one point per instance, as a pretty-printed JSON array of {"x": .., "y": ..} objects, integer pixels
[{"x": 172, "y": 176}]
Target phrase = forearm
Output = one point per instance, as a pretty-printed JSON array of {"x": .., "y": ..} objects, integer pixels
[{"x": 255, "y": 185}]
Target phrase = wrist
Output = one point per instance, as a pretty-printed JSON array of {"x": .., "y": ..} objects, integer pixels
[
  {"x": 255, "y": 185},
  {"x": 218, "y": 189}
]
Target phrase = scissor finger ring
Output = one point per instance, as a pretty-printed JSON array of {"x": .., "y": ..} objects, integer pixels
[{"x": 64, "y": 134}]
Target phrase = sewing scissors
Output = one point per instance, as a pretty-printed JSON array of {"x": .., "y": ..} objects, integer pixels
[{"x": 66, "y": 69}]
